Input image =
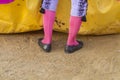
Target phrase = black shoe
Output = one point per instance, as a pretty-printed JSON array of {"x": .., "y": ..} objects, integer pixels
[
  {"x": 71, "y": 49},
  {"x": 45, "y": 47}
]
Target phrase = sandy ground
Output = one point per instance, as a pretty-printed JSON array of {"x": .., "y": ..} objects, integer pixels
[{"x": 22, "y": 59}]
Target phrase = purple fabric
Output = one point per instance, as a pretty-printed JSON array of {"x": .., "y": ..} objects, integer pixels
[
  {"x": 78, "y": 7},
  {"x": 5, "y": 1}
]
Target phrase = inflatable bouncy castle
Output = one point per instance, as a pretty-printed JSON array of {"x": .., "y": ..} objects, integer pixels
[{"x": 16, "y": 16}]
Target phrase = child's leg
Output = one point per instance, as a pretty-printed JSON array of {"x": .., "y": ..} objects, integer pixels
[
  {"x": 75, "y": 23},
  {"x": 78, "y": 10},
  {"x": 48, "y": 19}
]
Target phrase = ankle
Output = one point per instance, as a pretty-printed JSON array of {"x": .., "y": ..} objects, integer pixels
[{"x": 46, "y": 41}]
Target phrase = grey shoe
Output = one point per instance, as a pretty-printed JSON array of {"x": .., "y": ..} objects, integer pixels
[
  {"x": 45, "y": 47},
  {"x": 71, "y": 49}
]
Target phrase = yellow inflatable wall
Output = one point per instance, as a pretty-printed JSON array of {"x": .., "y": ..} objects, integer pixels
[{"x": 103, "y": 17}]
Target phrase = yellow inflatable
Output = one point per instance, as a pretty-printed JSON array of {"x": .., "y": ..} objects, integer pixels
[{"x": 103, "y": 17}]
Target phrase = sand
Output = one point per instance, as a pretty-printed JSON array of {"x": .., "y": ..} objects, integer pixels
[{"x": 22, "y": 59}]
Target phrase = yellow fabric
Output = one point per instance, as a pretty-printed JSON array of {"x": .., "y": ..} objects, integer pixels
[{"x": 103, "y": 17}]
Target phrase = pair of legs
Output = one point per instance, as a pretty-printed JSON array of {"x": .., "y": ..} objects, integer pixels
[{"x": 77, "y": 11}]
